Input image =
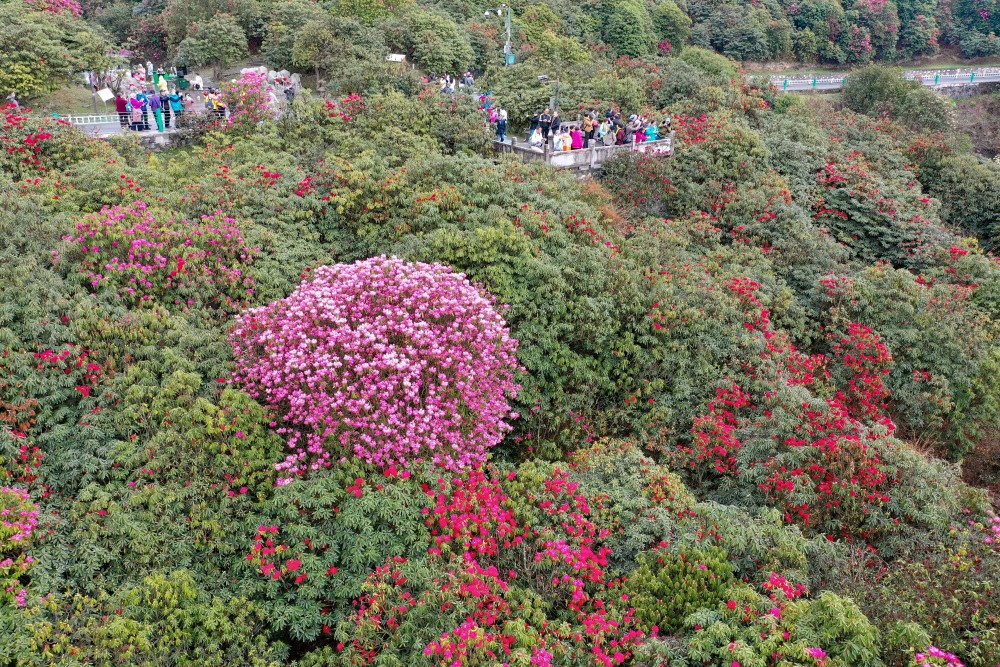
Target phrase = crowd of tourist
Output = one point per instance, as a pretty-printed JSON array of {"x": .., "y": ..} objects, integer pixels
[
  {"x": 546, "y": 127},
  {"x": 151, "y": 97},
  {"x": 449, "y": 84}
]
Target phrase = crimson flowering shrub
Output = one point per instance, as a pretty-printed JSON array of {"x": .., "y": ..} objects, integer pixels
[
  {"x": 143, "y": 258},
  {"x": 942, "y": 376},
  {"x": 392, "y": 362},
  {"x": 495, "y": 589},
  {"x": 823, "y": 469},
  {"x": 31, "y": 145},
  {"x": 878, "y": 220}
]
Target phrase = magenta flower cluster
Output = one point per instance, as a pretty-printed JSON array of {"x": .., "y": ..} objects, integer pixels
[
  {"x": 55, "y": 6},
  {"x": 934, "y": 657},
  {"x": 146, "y": 257},
  {"x": 395, "y": 362},
  {"x": 18, "y": 520},
  {"x": 250, "y": 101},
  {"x": 18, "y": 516}
]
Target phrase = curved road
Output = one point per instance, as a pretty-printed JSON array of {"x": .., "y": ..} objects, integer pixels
[{"x": 932, "y": 78}]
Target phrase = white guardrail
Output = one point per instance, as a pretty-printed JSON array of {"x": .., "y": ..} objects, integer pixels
[
  {"x": 91, "y": 119},
  {"x": 802, "y": 82}
]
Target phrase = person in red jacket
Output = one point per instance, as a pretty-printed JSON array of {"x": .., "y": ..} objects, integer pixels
[{"x": 121, "y": 106}]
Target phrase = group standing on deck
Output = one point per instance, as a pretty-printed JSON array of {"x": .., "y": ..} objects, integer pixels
[
  {"x": 157, "y": 98},
  {"x": 611, "y": 129}
]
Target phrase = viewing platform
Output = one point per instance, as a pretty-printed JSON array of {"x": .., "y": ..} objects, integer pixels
[{"x": 583, "y": 159}]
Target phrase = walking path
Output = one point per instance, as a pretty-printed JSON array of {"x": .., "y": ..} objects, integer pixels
[{"x": 932, "y": 78}]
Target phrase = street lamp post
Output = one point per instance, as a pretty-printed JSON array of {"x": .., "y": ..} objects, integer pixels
[
  {"x": 508, "y": 49},
  {"x": 554, "y": 102}
]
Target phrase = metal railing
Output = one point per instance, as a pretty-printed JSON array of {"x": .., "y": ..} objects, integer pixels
[
  {"x": 584, "y": 158},
  {"x": 91, "y": 119},
  {"x": 805, "y": 82}
]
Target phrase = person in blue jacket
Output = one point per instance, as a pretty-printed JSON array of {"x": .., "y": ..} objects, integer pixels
[
  {"x": 176, "y": 105},
  {"x": 652, "y": 131},
  {"x": 144, "y": 101}
]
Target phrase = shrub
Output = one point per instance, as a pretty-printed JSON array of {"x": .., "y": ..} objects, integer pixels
[
  {"x": 18, "y": 520},
  {"x": 667, "y": 587},
  {"x": 874, "y": 90},
  {"x": 31, "y": 146},
  {"x": 141, "y": 257},
  {"x": 629, "y": 28},
  {"x": 248, "y": 99},
  {"x": 218, "y": 42},
  {"x": 391, "y": 361}
]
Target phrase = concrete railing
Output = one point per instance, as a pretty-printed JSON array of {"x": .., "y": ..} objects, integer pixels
[{"x": 584, "y": 159}]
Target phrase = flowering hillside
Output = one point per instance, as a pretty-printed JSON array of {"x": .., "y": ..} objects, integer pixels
[{"x": 316, "y": 393}]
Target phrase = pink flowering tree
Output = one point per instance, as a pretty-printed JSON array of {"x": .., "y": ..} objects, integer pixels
[
  {"x": 55, "y": 6},
  {"x": 18, "y": 519},
  {"x": 391, "y": 361},
  {"x": 248, "y": 100}
]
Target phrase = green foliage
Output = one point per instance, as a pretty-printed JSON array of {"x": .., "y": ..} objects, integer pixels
[
  {"x": 338, "y": 536},
  {"x": 629, "y": 28},
  {"x": 287, "y": 19},
  {"x": 369, "y": 11},
  {"x": 666, "y": 587},
  {"x": 708, "y": 62},
  {"x": 340, "y": 46},
  {"x": 433, "y": 41},
  {"x": 671, "y": 24},
  {"x": 42, "y": 51},
  {"x": 749, "y": 628},
  {"x": 874, "y": 90},
  {"x": 878, "y": 90},
  {"x": 217, "y": 41},
  {"x": 163, "y": 614}
]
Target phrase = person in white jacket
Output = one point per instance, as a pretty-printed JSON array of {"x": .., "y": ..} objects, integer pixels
[{"x": 536, "y": 140}]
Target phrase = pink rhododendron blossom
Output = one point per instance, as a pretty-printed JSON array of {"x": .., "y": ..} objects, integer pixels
[
  {"x": 391, "y": 360},
  {"x": 55, "y": 6}
]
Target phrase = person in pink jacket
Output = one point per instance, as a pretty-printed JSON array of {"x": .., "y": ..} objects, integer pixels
[{"x": 576, "y": 138}]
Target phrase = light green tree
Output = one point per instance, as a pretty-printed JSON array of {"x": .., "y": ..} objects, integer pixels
[
  {"x": 41, "y": 51},
  {"x": 216, "y": 42}
]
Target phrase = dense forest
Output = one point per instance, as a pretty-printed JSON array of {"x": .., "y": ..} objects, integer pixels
[{"x": 345, "y": 387}]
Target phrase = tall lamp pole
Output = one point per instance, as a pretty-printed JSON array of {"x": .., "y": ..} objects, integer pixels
[{"x": 508, "y": 49}]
